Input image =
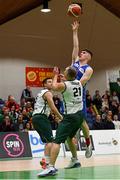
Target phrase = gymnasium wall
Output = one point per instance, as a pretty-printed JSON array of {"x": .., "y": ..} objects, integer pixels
[{"x": 12, "y": 76}]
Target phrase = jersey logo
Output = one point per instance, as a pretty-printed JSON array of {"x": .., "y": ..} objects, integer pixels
[{"x": 81, "y": 70}]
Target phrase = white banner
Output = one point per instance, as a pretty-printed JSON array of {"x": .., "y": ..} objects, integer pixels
[
  {"x": 103, "y": 142},
  {"x": 37, "y": 146},
  {"x": 106, "y": 141}
]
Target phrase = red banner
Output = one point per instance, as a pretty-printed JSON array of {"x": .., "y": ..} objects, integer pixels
[{"x": 35, "y": 75}]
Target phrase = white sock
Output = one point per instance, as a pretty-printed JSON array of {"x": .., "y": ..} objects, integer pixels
[{"x": 47, "y": 158}]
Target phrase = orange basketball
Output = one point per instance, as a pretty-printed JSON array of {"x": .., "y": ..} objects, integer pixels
[{"x": 74, "y": 10}]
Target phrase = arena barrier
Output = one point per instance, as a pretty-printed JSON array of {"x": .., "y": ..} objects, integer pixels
[
  {"x": 103, "y": 142},
  {"x": 20, "y": 145}
]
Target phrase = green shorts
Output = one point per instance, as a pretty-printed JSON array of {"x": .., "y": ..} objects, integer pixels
[
  {"x": 42, "y": 125},
  {"x": 69, "y": 126}
]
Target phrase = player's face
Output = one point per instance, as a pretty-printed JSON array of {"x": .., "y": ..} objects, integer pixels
[
  {"x": 49, "y": 84},
  {"x": 84, "y": 55}
]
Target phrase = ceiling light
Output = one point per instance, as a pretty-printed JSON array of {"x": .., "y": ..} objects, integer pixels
[{"x": 45, "y": 8}]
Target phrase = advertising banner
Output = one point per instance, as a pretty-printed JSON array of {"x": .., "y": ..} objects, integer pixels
[
  {"x": 35, "y": 75},
  {"x": 37, "y": 146},
  {"x": 106, "y": 141},
  {"x": 103, "y": 142},
  {"x": 14, "y": 145}
]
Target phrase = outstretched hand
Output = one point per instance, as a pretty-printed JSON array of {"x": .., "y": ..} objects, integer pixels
[{"x": 75, "y": 25}]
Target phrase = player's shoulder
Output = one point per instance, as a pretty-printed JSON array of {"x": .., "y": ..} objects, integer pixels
[
  {"x": 89, "y": 68},
  {"x": 43, "y": 91}
]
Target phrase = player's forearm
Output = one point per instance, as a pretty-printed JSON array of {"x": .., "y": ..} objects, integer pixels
[
  {"x": 54, "y": 83},
  {"x": 75, "y": 39},
  {"x": 56, "y": 112},
  {"x": 75, "y": 45}
]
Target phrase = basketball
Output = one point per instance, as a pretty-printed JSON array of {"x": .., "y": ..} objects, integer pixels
[{"x": 74, "y": 10}]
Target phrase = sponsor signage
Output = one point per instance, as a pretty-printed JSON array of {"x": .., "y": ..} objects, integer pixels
[
  {"x": 106, "y": 141},
  {"x": 35, "y": 75},
  {"x": 103, "y": 142},
  {"x": 37, "y": 146},
  {"x": 14, "y": 145}
]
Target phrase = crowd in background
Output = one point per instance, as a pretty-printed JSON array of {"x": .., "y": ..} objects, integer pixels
[{"x": 103, "y": 111}]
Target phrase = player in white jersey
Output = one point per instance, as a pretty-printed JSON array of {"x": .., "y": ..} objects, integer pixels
[
  {"x": 72, "y": 119},
  {"x": 43, "y": 106}
]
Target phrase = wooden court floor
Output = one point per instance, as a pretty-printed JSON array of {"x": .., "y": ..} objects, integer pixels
[{"x": 97, "y": 167}]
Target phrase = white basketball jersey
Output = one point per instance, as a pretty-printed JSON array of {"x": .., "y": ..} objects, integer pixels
[
  {"x": 72, "y": 96},
  {"x": 41, "y": 106}
]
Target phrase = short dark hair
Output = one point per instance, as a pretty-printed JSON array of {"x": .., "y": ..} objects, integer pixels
[
  {"x": 45, "y": 80},
  {"x": 71, "y": 72},
  {"x": 88, "y": 51}
]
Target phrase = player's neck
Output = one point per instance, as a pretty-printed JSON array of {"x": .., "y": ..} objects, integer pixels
[{"x": 83, "y": 62}]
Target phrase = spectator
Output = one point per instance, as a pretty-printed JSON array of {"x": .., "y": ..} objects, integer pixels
[
  {"x": 11, "y": 102},
  {"x": 105, "y": 101},
  {"x": 114, "y": 107},
  {"x": 119, "y": 112},
  {"x": 88, "y": 101},
  {"x": 108, "y": 124},
  {"x": 115, "y": 97},
  {"x": 116, "y": 122},
  {"x": 98, "y": 124},
  {"x": 27, "y": 96},
  {"x": 20, "y": 123},
  {"x": 97, "y": 94},
  {"x": 27, "y": 127},
  {"x": 7, "y": 125},
  {"x": 107, "y": 95},
  {"x": 98, "y": 102}
]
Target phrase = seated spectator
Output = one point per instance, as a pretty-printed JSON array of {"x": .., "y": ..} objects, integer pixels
[
  {"x": 116, "y": 122},
  {"x": 27, "y": 96},
  {"x": 115, "y": 97},
  {"x": 110, "y": 114},
  {"x": 98, "y": 124},
  {"x": 119, "y": 112},
  {"x": 26, "y": 115},
  {"x": 27, "y": 127},
  {"x": 114, "y": 107},
  {"x": 11, "y": 102},
  {"x": 107, "y": 95},
  {"x": 108, "y": 124},
  {"x": 105, "y": 102},
  {"x": 118, "y": 85},
  {"x": 97, "y": 94},
  {"x": 88, "y": 101},
  {"x": 98, "y": 102},
  {"x": 20, "y": 123},
  {"x": 7, "y": 125}
]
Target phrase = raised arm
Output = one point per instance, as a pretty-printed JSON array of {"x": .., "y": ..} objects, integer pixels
[
  {"x": 55, "y": 85},
  {"x": 75, "y": 52}
]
